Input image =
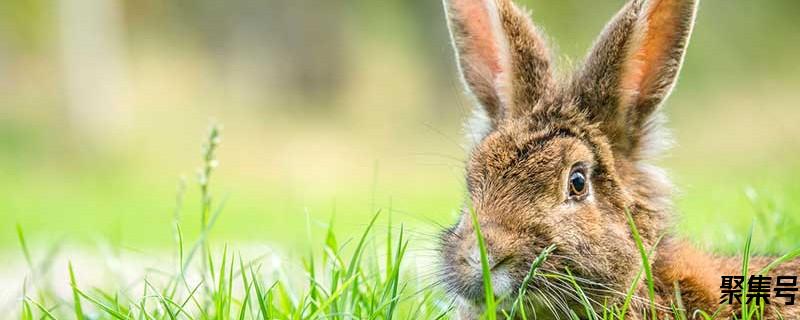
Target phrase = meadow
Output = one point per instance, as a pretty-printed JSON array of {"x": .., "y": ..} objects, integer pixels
[
  {"x": 338, "y": 165},
  {"x": 381, "y": 273}
]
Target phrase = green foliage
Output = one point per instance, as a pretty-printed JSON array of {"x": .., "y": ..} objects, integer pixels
[
  {"x": 491, "y": 306},
  {"x": 645, "y": 264},
  {"x": 341, "y": 282}
]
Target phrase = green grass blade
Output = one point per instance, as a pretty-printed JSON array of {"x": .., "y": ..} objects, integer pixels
[
  {"x": 491, "y": 312},
  {"x": 260, "y": 295},
  {"x": 645, "y": 262},
  {"x": 587, "y": 306},
  {"x": 219, "y": 296},
  {"x": 632, "y": 289},
  {"x": 243, "y": 309},
  {"x": 389, "y": 242},
  {"x": 745, "y": 272},
  {"x": 27, "y": 313},
  {"x": 47, "y": 314},
  {"x": 784, "y": 258},
  {"x": 164, "y": 302},
  {"x": 76, "y": 299},
  {"x": 107, "y": 309},
  {"x": 198, "y": 245},
  {"x": 332, "y": 298},
  {"x": 522, "y": 292},
  {"x": 24, "y": 245},
  {"x": 394, "y": 277},
  {"x": 355, "y": 259}
]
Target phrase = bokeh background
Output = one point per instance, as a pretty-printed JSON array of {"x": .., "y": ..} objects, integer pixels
[{"x": 341, "y": 108}]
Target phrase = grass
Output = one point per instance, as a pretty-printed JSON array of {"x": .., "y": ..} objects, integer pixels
[
  {"x": 372, "y": 277},
  {"x": 488, "y": 291},
  {"x": 645, "y": 265}
]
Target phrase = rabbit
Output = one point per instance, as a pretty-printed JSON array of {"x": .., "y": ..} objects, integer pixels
[{"x": 563, "y": 160}]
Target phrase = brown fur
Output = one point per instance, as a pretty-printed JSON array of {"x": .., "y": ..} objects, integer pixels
[{"x": 603, "y": 120}]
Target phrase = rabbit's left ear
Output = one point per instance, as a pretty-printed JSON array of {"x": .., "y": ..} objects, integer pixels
[
  {"x": 503, "y": 59},
  {"x": 633, "y": 67}
]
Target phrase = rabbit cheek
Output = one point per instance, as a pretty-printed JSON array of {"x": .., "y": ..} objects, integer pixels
[
  {"x": 594, "y": 245},
  {"x": 617, "y": 258}
]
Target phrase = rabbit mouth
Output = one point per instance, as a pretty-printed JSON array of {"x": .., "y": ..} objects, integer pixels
[
  {"x": 502, "y": 264},
  {"x": 542, "y": 298},
  {"x": 468, "y": 284},
  {"x": 472, "y": 290}
]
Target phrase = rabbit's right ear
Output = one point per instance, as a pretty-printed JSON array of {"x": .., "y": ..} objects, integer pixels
[
  {"x": 503, "y": 60},
  {"x": 632, "y": 69}
]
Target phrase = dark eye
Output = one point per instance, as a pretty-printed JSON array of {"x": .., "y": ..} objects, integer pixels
[{"x": 578, "y": 186}]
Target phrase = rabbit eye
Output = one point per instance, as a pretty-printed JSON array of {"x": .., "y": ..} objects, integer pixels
[{"x": 577, "y": 184}]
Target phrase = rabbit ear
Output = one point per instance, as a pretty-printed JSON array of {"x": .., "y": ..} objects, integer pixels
[
  {"x": 503, "y": 61},
  {"x": 633, "y": 67}
]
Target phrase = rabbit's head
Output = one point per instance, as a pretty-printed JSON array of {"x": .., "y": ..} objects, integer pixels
[{"x": 560, "y": 160}]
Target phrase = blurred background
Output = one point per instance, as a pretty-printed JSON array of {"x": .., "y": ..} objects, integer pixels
[{"x": 341, "y": 108}]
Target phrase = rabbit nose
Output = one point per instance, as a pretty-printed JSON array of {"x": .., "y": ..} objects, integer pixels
[{"x": 474, "y": 259}]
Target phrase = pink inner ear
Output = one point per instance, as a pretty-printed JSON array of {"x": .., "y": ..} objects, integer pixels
[
  {"x": 474, "y": 16},
  {"x": 662, "y": 22}
]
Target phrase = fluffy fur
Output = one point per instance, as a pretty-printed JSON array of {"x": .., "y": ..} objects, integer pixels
[{"x": 604, "y": 121}]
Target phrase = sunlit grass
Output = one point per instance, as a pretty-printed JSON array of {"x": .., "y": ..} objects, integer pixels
[
  {"x": 342, "y": 281},
  {"x": 370, "y": 277}
]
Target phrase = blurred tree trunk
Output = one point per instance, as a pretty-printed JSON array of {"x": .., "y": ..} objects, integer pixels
[
  {"x": 291, "y": 50},
  {"x": 436, "y": 52},
  {"x": 94, "y": 65}
]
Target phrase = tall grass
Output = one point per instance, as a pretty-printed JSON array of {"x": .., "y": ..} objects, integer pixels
[{"x": 371, "y": 277}]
